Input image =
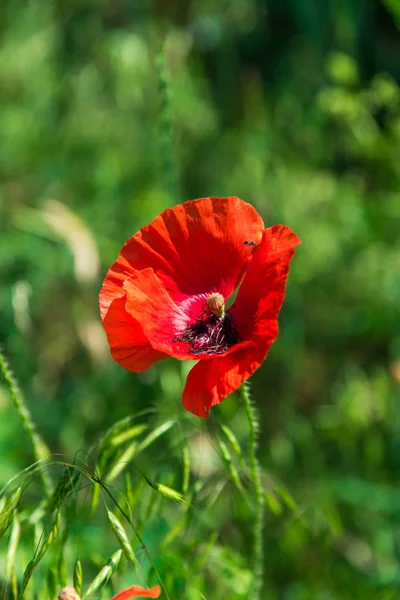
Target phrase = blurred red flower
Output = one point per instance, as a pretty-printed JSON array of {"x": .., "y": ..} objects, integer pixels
[
  {"x": 137, "y": 591},
  {"x": 166, "y": 294}
]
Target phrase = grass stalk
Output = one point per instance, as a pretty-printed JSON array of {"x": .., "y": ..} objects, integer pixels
[
  {"x": 40, "y": 450},
  {"x": 258, "y": 523},
  {"x": 169, "y": 165}
]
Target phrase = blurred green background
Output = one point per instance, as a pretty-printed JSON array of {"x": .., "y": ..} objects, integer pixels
[{"x": 111, "y": 111}]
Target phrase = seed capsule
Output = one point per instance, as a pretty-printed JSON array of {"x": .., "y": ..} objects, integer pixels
[
  {"x": 216, "y": 304},
  {"x": 68, "y": 593}
]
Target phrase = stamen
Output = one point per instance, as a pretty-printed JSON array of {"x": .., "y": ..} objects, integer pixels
[{"x": 210, "y": 334}]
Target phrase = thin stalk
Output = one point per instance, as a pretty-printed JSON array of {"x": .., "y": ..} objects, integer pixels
[
  {"x": 258, "y": 523},
  {"x": 40, "y": 450},
  {"x": 169, "y": 160},
  {"x": 137, "y": 534}
]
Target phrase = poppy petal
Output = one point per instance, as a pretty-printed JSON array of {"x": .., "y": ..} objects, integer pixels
[
  {"x": 149, "y": 303},
  {"x": 210, "y": 381},
  {"x": 128, "y": 344},
  {"x": 254, "y": 313},
  {"x": 262, "y": 292},
  {"x": 136, "y": 591},
  {"x": 195, "y": 247}
]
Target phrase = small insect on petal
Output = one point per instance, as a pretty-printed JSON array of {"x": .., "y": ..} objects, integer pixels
[
  {"x": 216, "y": 304},
  {"x": 250, "y": 243}
]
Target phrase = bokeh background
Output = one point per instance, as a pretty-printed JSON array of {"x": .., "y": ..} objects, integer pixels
[{"x": 113, "y": 111}]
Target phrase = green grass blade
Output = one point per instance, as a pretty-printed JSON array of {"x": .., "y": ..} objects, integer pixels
[
  {"x": 11, "y": 556},
  {"x": 7, "y": 513},
  {"x": 226, "y": 456},
  {"x": 155, "y": 434},
  {"x": 104, "y": 574},
  {"x": 122, "y": 537},
  {"x": 40, "y": 450},
  {"x": 78, "y": 577},
  {"x": 121, "y": 462},
  {"x": 40, "y": 553}
]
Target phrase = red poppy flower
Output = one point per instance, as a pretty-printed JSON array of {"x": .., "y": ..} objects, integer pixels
[
  {"x": 166, "y": 294},
  {"x": 137, "y": 591}
]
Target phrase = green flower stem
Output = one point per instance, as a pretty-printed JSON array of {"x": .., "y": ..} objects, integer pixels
[
  {"x": 258, "y": 553},
  {"x": 40, "y": 450}
]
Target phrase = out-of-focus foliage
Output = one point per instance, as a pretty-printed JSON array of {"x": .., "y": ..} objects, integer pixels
[{"x": 109, "y": 113}]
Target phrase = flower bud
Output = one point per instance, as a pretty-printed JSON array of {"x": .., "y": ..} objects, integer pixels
[{"x": 68, "y": 593}]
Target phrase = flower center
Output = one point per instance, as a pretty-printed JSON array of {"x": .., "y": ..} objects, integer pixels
[{"x": 213, "y": 332}]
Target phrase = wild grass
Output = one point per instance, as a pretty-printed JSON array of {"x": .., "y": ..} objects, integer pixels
[{"x": 108, "y": 489}]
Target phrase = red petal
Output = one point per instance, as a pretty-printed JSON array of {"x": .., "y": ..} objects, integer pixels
[
  {"x": 255, "y": 315},
  {"x": 128, "y": 344},
  {"x": 261, "y": 294},
  {"x": 196, "y": 247},
  {"x": 210, "y": 381},
  {"x": 193, "y": 249},
  {"x": 138, "y": 591},
  {"x": 149, "y": 303}
]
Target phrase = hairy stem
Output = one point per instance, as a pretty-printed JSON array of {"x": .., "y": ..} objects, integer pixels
[
  {"x": 258, "y": 553},
  {"x": 40, "y": 450}
]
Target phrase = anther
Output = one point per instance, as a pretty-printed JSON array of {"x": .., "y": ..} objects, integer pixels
[{"x": 216, "y": 304}]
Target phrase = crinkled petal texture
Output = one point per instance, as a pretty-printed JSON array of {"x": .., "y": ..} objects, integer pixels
[
  {"x": 137, "y": 591},
  {"x": 255, "y": 314},
  {"x": 129, "y": 345},
  {"x": 164, "y": 273}
]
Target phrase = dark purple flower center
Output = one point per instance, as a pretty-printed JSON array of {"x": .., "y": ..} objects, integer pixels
[{"x": 210, "y": 334}]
